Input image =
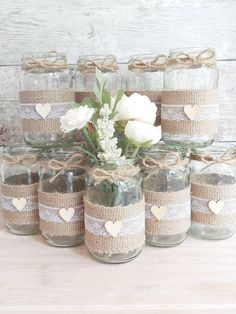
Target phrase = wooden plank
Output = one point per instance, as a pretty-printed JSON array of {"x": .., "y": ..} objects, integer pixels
[
  {"x": 101, "y": 27},
  {"x": 196, "y": 277}
]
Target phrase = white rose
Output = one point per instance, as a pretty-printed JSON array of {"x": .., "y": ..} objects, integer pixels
[
  {"x": 136, "y": 107},
  {"x": 76, "y": 118},
  {"x": 142, "y": 132}
]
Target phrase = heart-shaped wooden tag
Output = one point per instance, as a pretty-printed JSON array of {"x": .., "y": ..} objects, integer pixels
[
  {"x": 216, "y": 206},
  {"x": 19, "y": 203},
  {"x": 113, "y": 228},
  {"x": 192, "y": 111},
  {"x": 159, "y": 212},
  {"x": 43, "y": 109},
  {"x": 67, "y": 214}
]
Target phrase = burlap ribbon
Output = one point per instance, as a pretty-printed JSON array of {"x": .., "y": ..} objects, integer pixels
[
  {"x": 158, "y": 63},
  {"x": 131, "y": 235},
  {"x": 50, "y": 61},
  {"x": 26, "y": 160},
  {"x": 108, "y": 64},
  {"x": 206, "y": 57}
]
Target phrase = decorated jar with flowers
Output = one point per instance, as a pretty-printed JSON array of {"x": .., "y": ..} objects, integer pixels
[
  {"x": 190, "y": 106},
  {"x": 145, "y": 76},
  {"x": 86, "y": 75},
  {"x": 213, "y": 191},
  {"x": 45, "y": 95},
  {"x": 113, "y": 131}
]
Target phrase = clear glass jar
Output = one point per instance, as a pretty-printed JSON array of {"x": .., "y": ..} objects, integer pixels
[
  {"x": 189, "y": 112},
  {"x": 167, "y": 195},
  {"x": 19, "y": 189},
  {"x": 61, "y": 192},
  {"x": 86, "y": 77},
  {"x": 45, "y": 95},
  {"x": 114, "y": 212},
  {"x": 213, "y": 191},
  {"x": 145, "y": 76}
]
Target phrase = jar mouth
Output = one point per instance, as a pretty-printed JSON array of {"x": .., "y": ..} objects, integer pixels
[
  {"x": 161, "y": 150},
  {"x": 41, "y": 55},
  {"x": 218, "y": 149},
  {"x": 61, "y": 154},
  {"x": 83, "y": 58},
  {"x": 193, "y": 50},
  {"x": 21, "y": 149},
  {"x": 115, "y": 163}
]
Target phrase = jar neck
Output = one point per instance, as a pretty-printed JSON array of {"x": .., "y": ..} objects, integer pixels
[
  {"x": 89, "y": 64},
  {"x": 19, "y": 150},
  {"x": 161, "y": 152},
  {"x": 147, "y": 63}
]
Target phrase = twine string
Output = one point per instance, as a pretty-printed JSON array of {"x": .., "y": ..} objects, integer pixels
[
  {"x": 206, "y": 57},
  {"x": 121, "y": 173},
  {"x": 108, "y": 64},
  {"x": 228, "y": 158},
  {"x": 26, "y": 160},
  {"x": 157, "y": 63}
]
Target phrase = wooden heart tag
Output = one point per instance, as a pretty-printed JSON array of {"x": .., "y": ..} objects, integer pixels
[
  {"x": 43, "y": 109},
  {"x": 113, "y": 228},
  {"x": 19, "y": 203},
  {"x": 67, "y": 214},
  {"x": 159, "y": 212},
  {"x": 216, "y": 206},
  {"x": 192, "y": 111}
]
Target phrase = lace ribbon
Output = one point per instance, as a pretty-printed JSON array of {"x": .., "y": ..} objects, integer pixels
[
  {"x": 174, "y": 212},
  {"x": 51, "y": 214},
  {"x": 31, "y": 204}
]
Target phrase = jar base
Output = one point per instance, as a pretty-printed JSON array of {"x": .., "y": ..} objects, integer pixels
[
  {"x": 165, "y": 240},
  {"x": 187, "y": 141},
  {"x": 118, "y": 258},
  {"x": 212, "y": 232},
  {"x": 22, "y": 229},
  {"x": 63, "y": 241}
]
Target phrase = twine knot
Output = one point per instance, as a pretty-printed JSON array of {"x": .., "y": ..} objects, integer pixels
[
  {"x": 108, "y": 64},
  {"x": 26, "y": 160},
  {"x": 206, "y": 57},
  {"x": 158, "y": 63},
  {"x": 228, "y": 157}
]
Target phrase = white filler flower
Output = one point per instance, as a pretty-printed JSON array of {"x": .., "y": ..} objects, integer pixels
[
  {"x": 141, "y": 132},
  {"x": 76, "y": 118},
  {"x": 136, "y": 107}
]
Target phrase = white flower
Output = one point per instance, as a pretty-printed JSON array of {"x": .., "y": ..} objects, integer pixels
[
  {"x": 142, "y": 132},
  {"x": 136, "y": 107},
  {"x": 76, "y": 118}
]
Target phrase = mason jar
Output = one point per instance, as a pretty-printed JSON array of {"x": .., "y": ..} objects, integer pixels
[
  {"x": 85, "y": 78},
  {"x": 213, "y": 190},
  {"x": 61, "y": 192},
  {"x": 167, "y": 195},
  {"x": 114, "y": 211},
  {"x": 19, "y": 189},
  {"x": 45, "y": 95},
  {"x": 145, "y": 76},
  {"x": 190, "y": 110}
]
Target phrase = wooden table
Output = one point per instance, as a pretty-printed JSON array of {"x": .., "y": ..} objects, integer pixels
[{"x": 196, "y": 277}]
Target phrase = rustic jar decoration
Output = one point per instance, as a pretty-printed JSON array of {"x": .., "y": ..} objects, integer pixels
[
  {"x": 167, "y": 196},
  {"x": 145, "y": 76},
  {"x": 213, "y": 187},
  {"x": 86, "y": 75},
  {"x": 45, "y": 95},
  {"x": 114, "y": 212},
  {"x": 19, "y": 189},
  {"x": 189, "y": 111},
  {"x": 61, "y": 192}
]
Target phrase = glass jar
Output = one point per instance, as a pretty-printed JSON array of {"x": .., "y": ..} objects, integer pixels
[
  {"x": 61, "y": 192},
  {"x": 86, "y": 75},
  {"x": 167, "y": 195},
  {"x": 19, "y": 188},
  {"x": 189, "y": 111},
  {"x": 145, "y": 76},
  {"x": 213, "y": 190},
  {"x": 114, "y": 211},
  {"x": 45, "y": 95}
]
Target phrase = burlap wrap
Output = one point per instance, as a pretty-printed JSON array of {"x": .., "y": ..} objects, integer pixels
[
  {"x": 57, "y": 201},
  {"x": 56, "y": 97},
  {"x": 175, "y": 225},
  {"x": 204, "y": 194},
  {"x": 27, "y": 217},
  {"x": 187, "y": 126},
  {"x": 121, "y": 243},
  {"x": 79, "y": 96}
]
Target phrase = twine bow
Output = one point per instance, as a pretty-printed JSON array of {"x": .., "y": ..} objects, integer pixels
[
  {"x": 206, "y": 57},
  {"x": 228, "y": 157},
  {"x": 158, "y": 63},
  {"x": 108, "y": 64},
  {"x": 49, "y": 61},
  {"x": 114, "y": 175},
  {"x": 26, "y": 160}
]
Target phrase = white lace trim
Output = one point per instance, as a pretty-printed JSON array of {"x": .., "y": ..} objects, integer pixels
[
  {"x": 28, "y": 111},
  {"x": 200, "y": 205},
  {"x": 31, "y": 204},
  {"x": 176, "y": 112},
  {"x": 129, "y": 226},
  {"x": 48, "y": 213},
  {"x": 174, "y": 212}
]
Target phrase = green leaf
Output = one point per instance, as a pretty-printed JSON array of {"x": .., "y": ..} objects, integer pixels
[
  {"x": 97, "y": 92},
  {"x": 106, "y": 97},
  {"x": 100, "y": 79},
  {"x": 90, "y": 102},
  {"x": 119, "y": 95}
]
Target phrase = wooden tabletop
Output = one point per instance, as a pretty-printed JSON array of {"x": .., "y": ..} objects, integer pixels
[{"x": 196, "y": 277}]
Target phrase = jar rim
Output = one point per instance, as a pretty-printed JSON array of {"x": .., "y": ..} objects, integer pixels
[
  {"x": 195, "y": 49},
  {"x": 20, "y": 149},
  {"x": 161, "y": 150},
  {"x": 93, "y": 57},
  {"x": 42, "y": 54},
  {"x": 216, "y": 148}
]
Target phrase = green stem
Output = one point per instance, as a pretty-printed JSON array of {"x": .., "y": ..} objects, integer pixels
[
  {"x": 88, "y": 139},
  {"x": 135, "y": 152},
  {"x": 86, "y": 152}
]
